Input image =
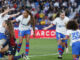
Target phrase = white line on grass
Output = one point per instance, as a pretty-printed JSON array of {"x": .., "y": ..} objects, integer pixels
[
  {"x": 46, "y": 54},
  {"x": 43, "y": 55}
]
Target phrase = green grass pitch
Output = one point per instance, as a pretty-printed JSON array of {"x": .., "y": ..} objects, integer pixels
[{"x": 44, "y": 49}]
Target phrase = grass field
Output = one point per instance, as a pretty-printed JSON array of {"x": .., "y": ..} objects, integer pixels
[{"x": 44, "y": 49}]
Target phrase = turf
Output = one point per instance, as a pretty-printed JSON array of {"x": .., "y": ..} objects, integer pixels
[{"x": 44, "y": 49}]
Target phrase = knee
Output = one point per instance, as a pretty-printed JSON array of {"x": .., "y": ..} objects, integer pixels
[
  {"x": 59, "y": 42},
  {"x": 27, "y": 40},
  {"x": 63, "y": 44},
  {"x": 20, "y": 41}
]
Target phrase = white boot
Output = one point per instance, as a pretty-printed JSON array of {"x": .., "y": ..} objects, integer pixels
[{"x": 26, "y": 58}]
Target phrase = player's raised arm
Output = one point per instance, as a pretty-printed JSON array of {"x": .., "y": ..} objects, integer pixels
[
  {"x": 14, "y": 15},
  {"x": 6, "y": 11},
  {"x": 13, "y": 21},
  {"x": 17, "y": 19},
  {"x": 51, "y": 25}
]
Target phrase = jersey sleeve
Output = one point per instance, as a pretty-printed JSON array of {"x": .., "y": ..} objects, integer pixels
[
  {"x": 8, "y": 16},
  {"x": 54, "y": 22},
  {"x": 18, "y": 18},
  {"x": 29, "y": 17},
  {"x": 67, "y": 20},
  {"x": 0, "y": 15}
]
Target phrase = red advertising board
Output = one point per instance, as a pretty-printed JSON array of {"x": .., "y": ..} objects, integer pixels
[{"x": 41, "y": 34}]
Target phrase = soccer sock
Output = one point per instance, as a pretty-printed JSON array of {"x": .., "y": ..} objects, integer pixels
[
  {"x": 60, "y": 49},
  {"x": 66, "y": 45},
  {"x": 19, "y": 47},
  {"x": 27, "y": 48},
  {"x": 76, "y": 59}
]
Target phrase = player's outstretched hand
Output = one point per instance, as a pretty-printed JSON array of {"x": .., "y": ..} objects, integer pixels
[
  {"x": 45, "y": 28},
  {"x": 12, "y": 9},
  {"x": 18, "y": 13}
]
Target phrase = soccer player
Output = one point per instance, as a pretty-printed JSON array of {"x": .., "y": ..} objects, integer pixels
[
  {"x": 25, "y": 21},
  {"x": 4, "y": 16},
  {"x": 60, "y": 23},
  {"x": 74, "y": 34},
  {"x": 10, "y": 44}
]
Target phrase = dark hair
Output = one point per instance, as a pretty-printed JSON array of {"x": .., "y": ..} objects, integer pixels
[
  {"x": 72, "y": 25},
  {"x": 10, "y": 28},
  {"x": 32, "y": 21},
  {"x": 4, "y": 8},
  {"x": 62, "y": 11},
  {"x": 59, "y": 12}
]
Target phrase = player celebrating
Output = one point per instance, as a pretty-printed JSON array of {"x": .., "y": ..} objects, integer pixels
[
  {"x": 4, "y": 16},
  {"x": 74, "y": 34},
  {"x": 60, "y": 23},
  {"x": 25, "y": 21}
]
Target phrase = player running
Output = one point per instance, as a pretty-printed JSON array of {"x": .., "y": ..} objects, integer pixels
[
  {"x": 4, "y": 16},
  {"x": 74, "y": 34},
  {"x": 60, "y": 23},
  {"x": 25, "y": 21}
]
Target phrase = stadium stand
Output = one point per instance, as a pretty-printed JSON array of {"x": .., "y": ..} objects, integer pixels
[{"x": 45, "y": 11}]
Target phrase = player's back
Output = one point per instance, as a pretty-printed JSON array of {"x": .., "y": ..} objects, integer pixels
[{"x": 74, "y": 35}]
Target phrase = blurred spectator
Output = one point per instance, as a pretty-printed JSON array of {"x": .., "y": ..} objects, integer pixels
[{"x": 44, "y": 11}]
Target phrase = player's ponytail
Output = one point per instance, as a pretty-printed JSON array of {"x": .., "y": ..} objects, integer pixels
[
  {"x": 10, "y": 28},
  {"x": 32, "y": 20}
]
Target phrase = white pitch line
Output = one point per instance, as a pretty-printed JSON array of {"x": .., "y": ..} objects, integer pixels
[{"x": 45, "y": 55}]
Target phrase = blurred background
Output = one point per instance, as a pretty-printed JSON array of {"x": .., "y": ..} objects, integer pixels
[{"x": 44, "y": 11}]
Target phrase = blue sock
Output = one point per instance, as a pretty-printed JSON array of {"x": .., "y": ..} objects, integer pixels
[
  {"x": 27, "y": 49},
  {"x": 60, "y": 49},
  {"x": 19, "y": 47}
]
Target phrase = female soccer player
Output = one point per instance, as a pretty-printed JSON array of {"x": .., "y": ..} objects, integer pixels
[
  {"x": 74, "y": 34},
  {"x": 10, "y": 44},
  {"x": 4, "y": 16},
  {"x": 60, "y": 23},
  {"x": 25, "y": 21}
]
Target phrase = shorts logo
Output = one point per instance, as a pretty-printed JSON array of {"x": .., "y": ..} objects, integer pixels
[{"x": 59, "y": 36}]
